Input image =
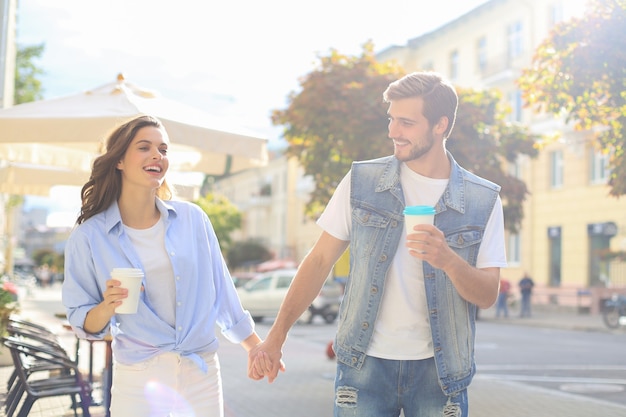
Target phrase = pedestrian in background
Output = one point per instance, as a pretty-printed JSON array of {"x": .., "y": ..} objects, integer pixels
[
  {"x": 502, "y": 306},
  {"x": 44, "y": 275},
  {"x": 526, "y": 285},
  {"x": 408, "y": 296},
  {"x": 165, "y": 360}
]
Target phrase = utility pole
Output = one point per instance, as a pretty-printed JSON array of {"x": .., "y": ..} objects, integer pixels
[{"x": 8, "y": 52}]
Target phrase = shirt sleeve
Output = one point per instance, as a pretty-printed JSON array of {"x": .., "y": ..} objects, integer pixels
[
  {"x": 336, "y": 219},
  {"x": 492, "y": 252},
  {"x": 235, "y": 322},
  {"x": 80, "y": 291}
]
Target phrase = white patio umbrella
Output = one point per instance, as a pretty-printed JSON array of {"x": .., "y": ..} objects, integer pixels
[
  {"x": 28, "y": 179},
  {"x": 69, "y": 130}
]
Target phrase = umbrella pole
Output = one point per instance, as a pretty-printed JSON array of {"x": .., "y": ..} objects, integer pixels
[{"x": 10, "y": 206}]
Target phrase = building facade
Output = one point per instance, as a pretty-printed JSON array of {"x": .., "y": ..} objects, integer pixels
[
  {"x": 272, "y": 200},
  {"x": 570, "y": 220}
]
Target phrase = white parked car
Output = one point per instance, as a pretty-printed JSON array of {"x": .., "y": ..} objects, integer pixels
[{"x": 263, "y": 295}]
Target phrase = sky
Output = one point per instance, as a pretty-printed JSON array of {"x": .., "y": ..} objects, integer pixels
[{"x": 234, "y": 59}]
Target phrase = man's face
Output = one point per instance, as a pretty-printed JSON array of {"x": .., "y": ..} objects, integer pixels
[{"x": 410, "y": 131}]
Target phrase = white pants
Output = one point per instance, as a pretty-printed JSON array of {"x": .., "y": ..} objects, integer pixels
[{"x": 167, "y": 385}]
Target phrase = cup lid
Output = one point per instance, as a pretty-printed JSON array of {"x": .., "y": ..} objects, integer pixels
[
  {"x": 418, "y": 210},
  {"x": 127, "y": 271}
]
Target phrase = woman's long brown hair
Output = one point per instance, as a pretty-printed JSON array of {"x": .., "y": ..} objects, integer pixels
[{"x": 105, "y": 183}]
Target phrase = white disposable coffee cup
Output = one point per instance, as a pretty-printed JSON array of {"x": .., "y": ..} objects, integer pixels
[
  {"x": 130, "y": 279},
  {"x": 414, "y": 215}
]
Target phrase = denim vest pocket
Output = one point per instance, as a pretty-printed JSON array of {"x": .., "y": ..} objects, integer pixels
[
  {"x": 465, "y": 243},
  {"x": 464, "y": 238},
  {"x": 370, "y": 226},
  {"x": 369, "y": 218}
]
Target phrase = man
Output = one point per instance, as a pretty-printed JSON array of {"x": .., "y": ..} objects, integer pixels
[
  {"x": 526, "y": 285},
  {"x": 405, "y": 338}
]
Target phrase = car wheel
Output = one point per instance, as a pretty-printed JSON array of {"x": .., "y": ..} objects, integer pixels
[
  {"x": 330, "y": 318},
  {"x": 611, "y": 317}
]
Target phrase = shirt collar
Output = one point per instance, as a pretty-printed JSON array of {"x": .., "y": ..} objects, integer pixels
[
  {"x": 453, "y": 196},
  {"x": 113, "y": 218}
]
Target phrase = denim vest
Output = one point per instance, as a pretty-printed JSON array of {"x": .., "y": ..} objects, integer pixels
[{"x": 377, "y": 202}]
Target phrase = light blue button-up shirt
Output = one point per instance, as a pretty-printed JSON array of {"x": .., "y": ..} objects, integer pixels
[{"x": 205, "y": 294}]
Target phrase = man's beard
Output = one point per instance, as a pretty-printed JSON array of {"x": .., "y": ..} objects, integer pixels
[{"x": 418, "y": 150}]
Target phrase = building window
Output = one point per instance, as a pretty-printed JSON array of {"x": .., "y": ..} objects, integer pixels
[
  {"x": 554, "y": 253},
  {"x": 598, "y": 167},
  {"x": 515, "y": 168},
  {"x": 481, "y": 54},
  {"x": 513, "y": 254},
  {"x": 555, "y": 14},
  {"x": 515, "y": 40},
  {"x": 454, "y": 65},
  {"x": 515, "y": 101},
  {"x": 556, "y": 169}
]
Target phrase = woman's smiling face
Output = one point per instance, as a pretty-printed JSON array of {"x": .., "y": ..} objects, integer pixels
[{"x": 145, "y": 162}]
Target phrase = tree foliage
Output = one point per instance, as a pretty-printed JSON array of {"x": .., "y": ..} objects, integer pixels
[
  {"x": 339, "y": 117},
  {"x": 224, "y": 216},
  {"x": 247, "y": 253},
  {"x": 49, "y": 257},
  {"x": 580, "y": 71},
  {"x": 27, "y": 86},
  {"x": 482, "y": 139}
]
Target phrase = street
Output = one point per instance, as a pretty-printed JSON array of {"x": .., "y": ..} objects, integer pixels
[
  {"x": 592, "y": 364},
  {"x": 579, "y": 363},
  {"x": 523, "y": 370},
  {"x": 307, "y": 384}
]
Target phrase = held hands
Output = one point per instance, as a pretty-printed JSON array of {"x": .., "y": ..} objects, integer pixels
[
  {"x": 265, "y": 361},
  {"x": 428, "y": 243}
]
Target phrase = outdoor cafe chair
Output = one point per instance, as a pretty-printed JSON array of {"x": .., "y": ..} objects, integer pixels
[
  {"x": 38, "y": 335},
  {"x": 32, "y": 385}
]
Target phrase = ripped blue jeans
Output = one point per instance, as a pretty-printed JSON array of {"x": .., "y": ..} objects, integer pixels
[{"x": 383, "y": 387}]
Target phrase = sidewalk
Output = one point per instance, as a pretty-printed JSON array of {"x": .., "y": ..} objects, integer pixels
[
  {"x": 306, "y": 389},
  {"x": 552, "y": 317}
]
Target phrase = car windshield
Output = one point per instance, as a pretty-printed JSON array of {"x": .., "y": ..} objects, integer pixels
[{"x": 259, "y": 284}]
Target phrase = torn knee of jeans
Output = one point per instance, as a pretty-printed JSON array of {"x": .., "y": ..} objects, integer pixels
[
  {"x": 346, "y": 397},
  {"x": 451, "y": 409}
]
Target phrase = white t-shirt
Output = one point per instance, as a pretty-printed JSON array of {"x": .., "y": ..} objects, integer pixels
[
  {"x": 160, "y": 289},
  {"x": 402, "y": 329}
]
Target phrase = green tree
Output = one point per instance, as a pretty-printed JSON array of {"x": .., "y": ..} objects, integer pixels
[
  {"x": 225, "y": 217},
  {"x": 45, "y": 257},
  {"x": 580, "y": 71},
  {"x": 247, "y": 253},
  {"x": 339, "y": 117},
  {"x": 27, "y": 86},
  {"x": 482, "y": 139}
]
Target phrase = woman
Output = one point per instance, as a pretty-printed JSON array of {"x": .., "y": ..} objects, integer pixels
[{"x": 165, "y": 354}]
